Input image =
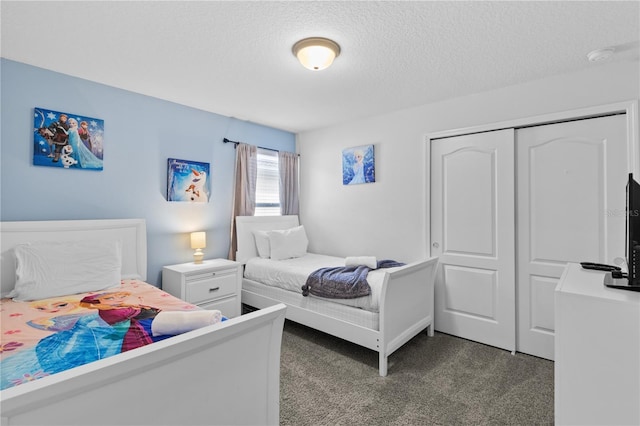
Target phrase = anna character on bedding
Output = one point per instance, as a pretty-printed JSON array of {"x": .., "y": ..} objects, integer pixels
[
  {"x": 114, "y": 311},
  {"x": 108, "y": 328}
]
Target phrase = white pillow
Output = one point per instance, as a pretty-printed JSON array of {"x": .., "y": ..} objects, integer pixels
[
  {"x": 288, "y": 243},
  {"x": 369, "y": 261},
  {"x": 50, "y": 269},
  {"x": 262, "y": 243}
]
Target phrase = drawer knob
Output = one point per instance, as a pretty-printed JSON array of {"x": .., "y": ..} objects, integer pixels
[{"x": 211, "y": 290}]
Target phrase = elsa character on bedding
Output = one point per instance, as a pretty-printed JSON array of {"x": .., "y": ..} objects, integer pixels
[
  {"x": 109, "y": 328},
  {"x": 86, "y": 159},
  {"x": 78, "y": 338},
  {"x": 54, "y": 306}
]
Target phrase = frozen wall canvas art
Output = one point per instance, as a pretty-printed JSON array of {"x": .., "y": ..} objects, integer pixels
[
  {"x": 358, "y": 165},
  {"x": 66, "y": 140},
  {"x": 188, "y": 181}
]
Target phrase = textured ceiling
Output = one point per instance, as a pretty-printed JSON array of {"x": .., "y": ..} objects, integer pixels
[{"x": 234, "y": 58}]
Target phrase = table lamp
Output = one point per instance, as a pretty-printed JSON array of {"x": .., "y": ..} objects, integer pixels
[{"x": 198, "y": 242}]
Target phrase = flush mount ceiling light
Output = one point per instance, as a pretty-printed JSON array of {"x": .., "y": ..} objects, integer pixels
[
  {"x": 316, "y": 53},
  {"x": 600, "y": 54}
]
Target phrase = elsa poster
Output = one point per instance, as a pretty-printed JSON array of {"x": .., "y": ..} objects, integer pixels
[
  {"x": 188, "y": 181},
  {"x": 358, "y": 165},
  {"x": 67, "y": 140}
]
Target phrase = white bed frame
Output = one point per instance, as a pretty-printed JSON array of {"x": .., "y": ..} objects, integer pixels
[
  {"x": 406, "y": 300},
  {"x": 227, "y": 374}
]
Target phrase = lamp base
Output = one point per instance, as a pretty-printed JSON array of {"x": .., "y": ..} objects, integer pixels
[{"x": 198, "y": 256}]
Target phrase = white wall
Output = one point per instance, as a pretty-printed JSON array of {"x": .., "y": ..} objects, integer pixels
[{"x": 388, "y": 218}]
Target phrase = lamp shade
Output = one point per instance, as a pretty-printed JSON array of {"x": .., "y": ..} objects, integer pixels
[
  {"x": 316, "y": 53},
  {"x": 198, "y": 240}
]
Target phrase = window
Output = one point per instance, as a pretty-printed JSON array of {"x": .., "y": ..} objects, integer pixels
[{"x": 268, "y": 184}]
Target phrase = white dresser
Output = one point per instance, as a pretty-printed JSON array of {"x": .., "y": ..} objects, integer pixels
[
  {"x": 212, "y": 284},
  {"x": 597, "y": 351}
]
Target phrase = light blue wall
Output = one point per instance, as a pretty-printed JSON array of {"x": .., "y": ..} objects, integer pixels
[{"x": 141, "y": 132}]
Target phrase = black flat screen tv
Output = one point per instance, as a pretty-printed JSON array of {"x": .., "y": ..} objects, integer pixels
[
  {"x": 633, "y": 231},
  {"x": 630, "y": 280}
]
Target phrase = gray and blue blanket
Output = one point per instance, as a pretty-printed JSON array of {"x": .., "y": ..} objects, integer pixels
[{"x": 342, "y": 282}]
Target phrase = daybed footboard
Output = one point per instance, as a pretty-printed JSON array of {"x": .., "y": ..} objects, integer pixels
[
  {"x": 406, "y": 306},
  {"x": 228, "y": 374}
]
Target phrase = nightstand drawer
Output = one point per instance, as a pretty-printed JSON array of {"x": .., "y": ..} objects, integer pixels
[{"x": 211, "y": 285}]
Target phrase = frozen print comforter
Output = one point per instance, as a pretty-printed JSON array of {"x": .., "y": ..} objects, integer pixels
[{"x": 48, "y": 336}]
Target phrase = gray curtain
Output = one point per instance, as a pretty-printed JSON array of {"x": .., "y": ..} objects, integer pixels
[
  {"x": 244, "y": 194},
  {"x": 288, "y": 163}
]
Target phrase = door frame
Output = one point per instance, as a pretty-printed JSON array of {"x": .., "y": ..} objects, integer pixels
[{"x": 630, "y": 108}]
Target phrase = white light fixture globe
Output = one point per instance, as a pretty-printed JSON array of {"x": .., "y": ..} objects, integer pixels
[
  {"x": 316, "y": 53},
  {"x": 601, "y": 55}
]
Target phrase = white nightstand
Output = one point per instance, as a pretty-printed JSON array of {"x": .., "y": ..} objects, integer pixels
[{"x": 212, "y": 284}]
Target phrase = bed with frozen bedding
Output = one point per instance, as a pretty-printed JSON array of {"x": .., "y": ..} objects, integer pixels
[
  {"x": 47, "y": 336},
  {"x": 81, "y": 329},
  {"x": 394, "y": 304}
]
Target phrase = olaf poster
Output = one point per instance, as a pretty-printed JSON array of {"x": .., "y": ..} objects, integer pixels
[
  {"x": 188, "y": 181},
  {"x": 66, "y": 140}
]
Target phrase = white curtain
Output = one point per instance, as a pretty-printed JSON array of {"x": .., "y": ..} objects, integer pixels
[
  {"x": 288, "y": 164},
  {"x": 244, "y": 194}
]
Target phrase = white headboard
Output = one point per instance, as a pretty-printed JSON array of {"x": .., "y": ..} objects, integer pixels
[
  {"x": 245, "y": 225},
  {"x": 131, "y": 232}
]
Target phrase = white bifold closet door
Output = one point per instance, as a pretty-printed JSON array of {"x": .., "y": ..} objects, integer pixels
[
  {"x": 509, "y": 209},
  {"x": 570, "y": 208},
  {"x": 473, "y": 233}
]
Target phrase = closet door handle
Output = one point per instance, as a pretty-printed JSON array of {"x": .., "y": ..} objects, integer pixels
[{"x": 435, "y": 245}]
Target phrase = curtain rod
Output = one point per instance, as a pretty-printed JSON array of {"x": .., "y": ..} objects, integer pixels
[{"x": 235, "y": 145}]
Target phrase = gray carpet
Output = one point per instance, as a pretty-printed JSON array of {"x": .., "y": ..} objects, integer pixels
[{"x": 440, "y": 380}]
